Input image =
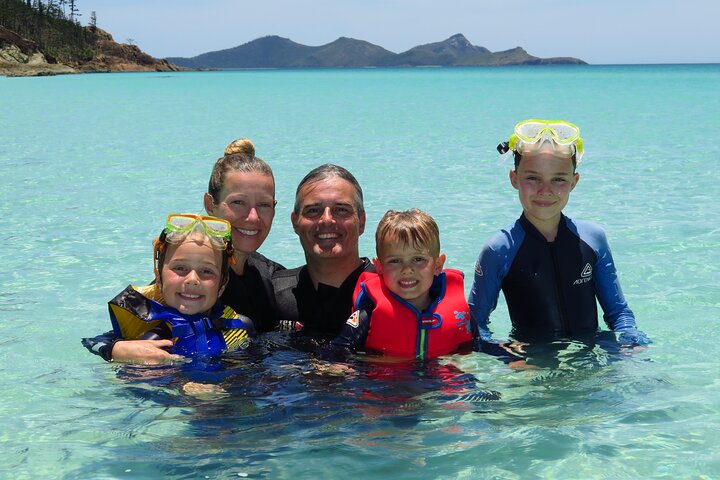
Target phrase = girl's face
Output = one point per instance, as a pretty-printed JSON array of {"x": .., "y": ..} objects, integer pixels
[
  {"x": 191, "y": 276},
  {"x": 247, "y": 201},
  {"x": 544, "y": 182}
]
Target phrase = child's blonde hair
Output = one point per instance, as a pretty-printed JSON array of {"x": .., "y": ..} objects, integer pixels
[{"x": 409, "y": 227}]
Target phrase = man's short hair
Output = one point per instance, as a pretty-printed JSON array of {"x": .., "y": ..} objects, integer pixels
[{"x": 326, "y": 172}]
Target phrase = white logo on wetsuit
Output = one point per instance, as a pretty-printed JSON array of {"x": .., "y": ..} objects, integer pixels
[
  {"x": 585, "y": 275},
  {"x": 587, "y": 271},
  {"x": 354, "y": 320}
]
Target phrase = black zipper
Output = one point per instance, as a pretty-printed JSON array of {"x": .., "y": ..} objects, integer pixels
[{"x": 562, "y": 310}]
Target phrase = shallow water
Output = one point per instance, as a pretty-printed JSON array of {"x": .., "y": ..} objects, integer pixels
[{"x": 91, "y": 165}]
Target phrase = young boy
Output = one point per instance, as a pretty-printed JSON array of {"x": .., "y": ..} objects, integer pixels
[
  {"x": 410, "y": 308},
  {"x": 550, "y": 268},
  {"x": 192, "y": 257}
]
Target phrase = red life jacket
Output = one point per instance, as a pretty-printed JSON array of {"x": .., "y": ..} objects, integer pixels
[{"x": 398, "y": 329}]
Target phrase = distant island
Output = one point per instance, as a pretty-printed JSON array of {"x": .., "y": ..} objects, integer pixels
[
  {"x": 44, "y": 37},
  {"x": 278, "y": 52}
]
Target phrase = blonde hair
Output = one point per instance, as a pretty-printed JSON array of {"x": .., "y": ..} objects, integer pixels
[
  {"x": 241, "y": 145},
  {"x": 239, "y": 157},
  {"x": 410, "y": 227}
]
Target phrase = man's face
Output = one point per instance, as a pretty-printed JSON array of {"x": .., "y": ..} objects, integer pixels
[{"x": 328, "y": 222}]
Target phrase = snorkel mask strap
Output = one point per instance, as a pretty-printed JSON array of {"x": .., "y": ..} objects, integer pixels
[
  {"x": 227, "y": 261},
  {"x": 159, "y": 248}
]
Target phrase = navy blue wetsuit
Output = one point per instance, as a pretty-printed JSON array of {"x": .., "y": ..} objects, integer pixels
[{"x": 551, "y": 287}]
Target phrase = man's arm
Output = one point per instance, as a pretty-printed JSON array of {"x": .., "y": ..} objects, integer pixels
[{"x": 484, "y": 293}]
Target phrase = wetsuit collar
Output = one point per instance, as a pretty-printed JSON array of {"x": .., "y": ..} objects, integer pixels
[{"x": 530, "y": 229}]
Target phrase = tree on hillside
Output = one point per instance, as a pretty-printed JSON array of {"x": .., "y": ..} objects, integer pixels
[
  {"x": 62, "y": 4},
  {"x": 74, "y": 11},
  {"x": 46, "y": 24}
]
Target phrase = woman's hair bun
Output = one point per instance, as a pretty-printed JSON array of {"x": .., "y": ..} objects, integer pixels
[{"x": 241, "y": 145}]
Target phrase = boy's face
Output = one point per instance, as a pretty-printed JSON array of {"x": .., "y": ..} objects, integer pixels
[
  {"x": 190, "y": 278},
  {"x": 544, "y": 182},
  {"x": 408, "y": 271}
]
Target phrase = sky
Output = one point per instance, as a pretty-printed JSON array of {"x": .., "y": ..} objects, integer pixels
[{"x": 596, "y": 31}]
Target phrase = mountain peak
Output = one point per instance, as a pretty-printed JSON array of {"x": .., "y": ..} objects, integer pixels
[
  {"x": 445, "y": 52},
  {"x": 459, "y": 40}
]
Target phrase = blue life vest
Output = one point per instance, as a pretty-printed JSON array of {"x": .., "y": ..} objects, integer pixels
[{"x": 137, "y": 310}]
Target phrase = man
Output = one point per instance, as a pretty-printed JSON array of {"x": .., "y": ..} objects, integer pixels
[{"x": 328, "y": 218}]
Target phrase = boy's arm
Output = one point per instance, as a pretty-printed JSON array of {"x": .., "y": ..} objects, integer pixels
[
  {"x": 617, "y": 313},
  {"x": 485, "y": 292},
  {"x": 354, "y": 333}
]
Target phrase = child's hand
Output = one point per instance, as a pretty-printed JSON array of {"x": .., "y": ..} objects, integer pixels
[
  {"x": 204, "y": 390},
  {"x": 514, "y": 348},
  {"x": 521, "y": 365},
  {"x": 144, "y": 351},
  {"x": 333, "y": 369}
]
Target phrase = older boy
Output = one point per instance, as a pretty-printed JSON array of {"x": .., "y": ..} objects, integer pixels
[{"x": 550, "y": 268}]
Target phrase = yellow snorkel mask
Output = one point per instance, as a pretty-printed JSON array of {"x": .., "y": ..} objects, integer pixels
[
  {"x": 530, "y": 136},
  {"x": 180, "y": 226}
]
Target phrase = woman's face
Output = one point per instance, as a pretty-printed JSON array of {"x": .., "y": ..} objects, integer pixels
[{"x": 247, "y": 201}]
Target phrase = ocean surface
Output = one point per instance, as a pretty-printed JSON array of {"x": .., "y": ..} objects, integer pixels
[{"x": 90, "y": 165}]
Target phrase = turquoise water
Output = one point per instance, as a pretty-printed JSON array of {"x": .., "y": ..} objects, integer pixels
[{"x": 91, "y": 164}]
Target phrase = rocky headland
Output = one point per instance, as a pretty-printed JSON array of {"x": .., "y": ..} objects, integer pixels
[{"x": 22, "y": 57}]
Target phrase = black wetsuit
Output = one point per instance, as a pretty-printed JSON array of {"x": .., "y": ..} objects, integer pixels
[
  {"x": 551, "y": 287},
  {"x": 252, "y": 293},
  {"x": 320, "y": 313}
]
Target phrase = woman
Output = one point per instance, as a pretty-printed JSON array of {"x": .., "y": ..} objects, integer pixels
[{"x": 242, "y": 191}]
